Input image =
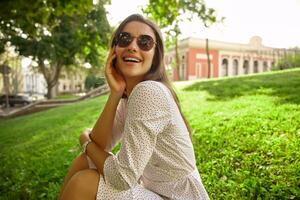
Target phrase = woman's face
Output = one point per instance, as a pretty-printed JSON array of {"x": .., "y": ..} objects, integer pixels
[{"x": 132, "y": 61}]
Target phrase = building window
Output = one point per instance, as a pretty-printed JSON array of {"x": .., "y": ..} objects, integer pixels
[
  {"x": 182, "y": 71},
  {"x": 255, "y": 66},
  {"x": 273, "y": 64},
  {"x": 198, "y": 70},
  {"x": 235, "y": 67},
  {"x": 265, "y": 65},
  {"x": 246, "y": 66},
  {"x": 225, "y": 67}
]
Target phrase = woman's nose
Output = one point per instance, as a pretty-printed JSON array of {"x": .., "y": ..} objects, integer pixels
[{"x": 133, "y": 45}]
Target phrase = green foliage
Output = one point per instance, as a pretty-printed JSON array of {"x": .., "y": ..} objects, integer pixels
[
  {"x": 92, "y": 81},
  {"x": 168, "y": 14},
  {"x": 64, "y": 33},
  {"x": 292, "y": 60},
  {"x": 246, "y": 139}
]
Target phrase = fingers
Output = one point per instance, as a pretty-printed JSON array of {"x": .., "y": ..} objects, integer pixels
[{"x": 111, "y": 55}]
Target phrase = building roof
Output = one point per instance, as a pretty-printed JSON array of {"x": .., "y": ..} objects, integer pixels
[{"x": 255, "y": 44}]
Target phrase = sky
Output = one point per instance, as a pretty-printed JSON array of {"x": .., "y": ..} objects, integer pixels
[{"x": 277, "y": 22}]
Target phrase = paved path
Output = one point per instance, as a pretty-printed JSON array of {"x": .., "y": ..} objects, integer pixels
[
  {"x": 4, "y": 110},
  {"x": 46, "y": 104}
]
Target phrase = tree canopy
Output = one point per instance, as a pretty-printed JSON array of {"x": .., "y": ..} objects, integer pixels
[
  {"x": 55, "y": 33},
  {"x": 168, "y": 14}
]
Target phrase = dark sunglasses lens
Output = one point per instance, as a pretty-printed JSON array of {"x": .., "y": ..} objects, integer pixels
[
  {"x": 124, "y": 39},
  {"x": 145, "y": 42}
]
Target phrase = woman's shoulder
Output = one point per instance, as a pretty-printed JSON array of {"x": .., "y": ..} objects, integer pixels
[
  {"x": 149, "y": 88},
  {"x": 150, "y": 96},
  {"x": 149, "y": 100}
]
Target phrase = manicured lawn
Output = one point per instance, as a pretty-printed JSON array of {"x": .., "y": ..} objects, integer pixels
[
  {"x": 66, "y": 96},
  {"x": 246, "y": 139}
]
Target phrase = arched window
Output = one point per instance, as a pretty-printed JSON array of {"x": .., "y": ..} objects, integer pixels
[
  {"x": 235, "y": 67},
  {"x": 225, "y": 67},
  {"x": 255, "y": 66},
  {"x": 265, "y": 65},
  {"x": 246, "y": 66}
]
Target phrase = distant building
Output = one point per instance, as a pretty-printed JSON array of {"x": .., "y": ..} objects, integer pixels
[
  {"x": 33, "y": 82},
  {"x": 28, "y": 80},
  {"x": 226, "y": 59},
  {"x": 72, "y": 82},
  {"x": 14, "y": 77}
]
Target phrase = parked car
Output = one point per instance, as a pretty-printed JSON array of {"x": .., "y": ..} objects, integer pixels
[{"x": 15, "y": 99}]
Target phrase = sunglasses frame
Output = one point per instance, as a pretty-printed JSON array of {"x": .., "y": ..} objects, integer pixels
[{"x": 139, "y": 44}]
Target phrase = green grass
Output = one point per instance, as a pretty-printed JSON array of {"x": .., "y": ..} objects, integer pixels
[
  {"x": 66, "y": 96},
  {"x": 246, "y": 139}
]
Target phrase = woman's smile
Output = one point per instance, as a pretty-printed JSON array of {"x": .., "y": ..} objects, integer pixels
[{"x": 132, "y": 61}]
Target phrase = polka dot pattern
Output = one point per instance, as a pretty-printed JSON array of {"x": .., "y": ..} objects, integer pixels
[{"x": 156, "y": 159}]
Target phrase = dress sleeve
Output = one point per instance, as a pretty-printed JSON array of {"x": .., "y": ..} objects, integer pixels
[
  {"x": 148, "y": 115},
  {"x": 118, "y": 125}
]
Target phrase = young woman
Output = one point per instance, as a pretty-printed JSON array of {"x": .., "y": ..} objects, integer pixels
[{"x": 156, "y": 159}]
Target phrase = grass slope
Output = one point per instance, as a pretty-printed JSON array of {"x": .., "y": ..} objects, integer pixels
[{"x": 246, "y": 139}]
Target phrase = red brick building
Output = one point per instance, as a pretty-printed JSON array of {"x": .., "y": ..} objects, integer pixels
[{"x": 226, "y": 59}]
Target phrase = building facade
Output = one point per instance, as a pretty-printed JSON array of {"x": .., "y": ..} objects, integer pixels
[
  {"x": 26, "y": 79},
  {"x": 226, "y": 59},
  {"x": 72, "y": 82}
]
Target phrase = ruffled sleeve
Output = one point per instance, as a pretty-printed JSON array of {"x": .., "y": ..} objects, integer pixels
[{"x": 148, "y": 115}]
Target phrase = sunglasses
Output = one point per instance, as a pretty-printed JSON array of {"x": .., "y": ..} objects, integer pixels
[{"x": 144, "y": 42}]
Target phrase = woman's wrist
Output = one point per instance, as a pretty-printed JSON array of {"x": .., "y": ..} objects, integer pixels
[
  {"x": 84, "y": 145},
  {"x": 115, "y": 96}
]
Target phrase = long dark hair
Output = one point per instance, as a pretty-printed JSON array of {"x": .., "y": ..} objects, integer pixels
[{"x": 157, "y": 71}]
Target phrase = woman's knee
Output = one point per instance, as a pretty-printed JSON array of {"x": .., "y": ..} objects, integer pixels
[
  {"x": 85, "y": 180},
  {"x": 81, "y": 160}
]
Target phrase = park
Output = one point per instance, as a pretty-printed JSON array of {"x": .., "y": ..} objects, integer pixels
[{"x": 245, "y": 127}]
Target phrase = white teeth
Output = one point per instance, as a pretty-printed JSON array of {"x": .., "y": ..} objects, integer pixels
[{"x": 129, "y": 59}]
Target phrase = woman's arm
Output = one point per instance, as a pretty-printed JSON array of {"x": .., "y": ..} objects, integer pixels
[
  {"x": 101, "y": 134},
  {"x": 148, "y": 116}
]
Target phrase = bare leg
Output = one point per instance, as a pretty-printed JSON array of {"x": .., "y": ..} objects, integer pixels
[
  {"x": 80, "y": 163},
  {"x": 82, "y": 185}
]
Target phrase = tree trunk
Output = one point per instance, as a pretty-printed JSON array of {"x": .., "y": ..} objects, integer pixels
[
  {"x": 177, "y": 61},
  {"x": 51, "y": 91},
  {"x": 208, "y": 60},
  {"x": 177, "y": 58},
  {"x": 51, "y": 75}
]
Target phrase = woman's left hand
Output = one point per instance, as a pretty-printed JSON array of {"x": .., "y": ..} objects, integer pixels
[{"x": 84, "y": 136}]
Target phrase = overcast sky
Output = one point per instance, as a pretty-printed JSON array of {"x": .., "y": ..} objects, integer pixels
[{"x": 276, "y": 21}]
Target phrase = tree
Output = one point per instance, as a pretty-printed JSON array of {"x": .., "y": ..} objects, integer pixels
[
  {"x": 291, "y": 59},
  {"x": 168, "y": 14},
  {"x": 56, "y": 34},
  {"x": 93, "y": 81}
]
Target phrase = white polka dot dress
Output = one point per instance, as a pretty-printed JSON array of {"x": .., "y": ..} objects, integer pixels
[{"x": 156, "y": 160}]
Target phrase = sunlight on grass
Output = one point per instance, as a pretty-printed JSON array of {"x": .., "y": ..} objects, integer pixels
[{"x": 246, "y": 139}]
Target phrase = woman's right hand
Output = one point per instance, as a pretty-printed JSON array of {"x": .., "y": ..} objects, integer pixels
[{"x": 114, "y": 78}]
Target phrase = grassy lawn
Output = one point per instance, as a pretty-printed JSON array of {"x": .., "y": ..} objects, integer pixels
[
  {"x": 66, "y": 96},
  {"x": 246, "y": 139}
]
